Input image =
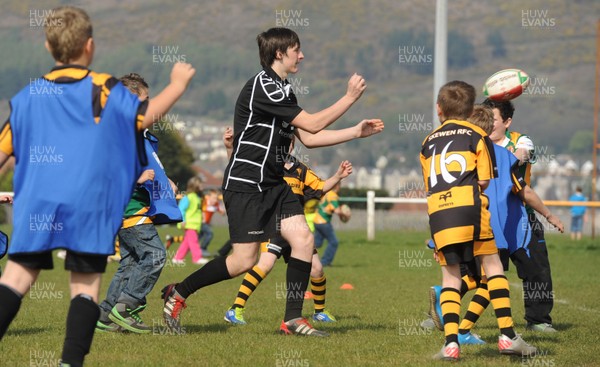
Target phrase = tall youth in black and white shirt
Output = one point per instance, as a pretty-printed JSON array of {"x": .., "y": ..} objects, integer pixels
[{"x": 258, "y": 201}]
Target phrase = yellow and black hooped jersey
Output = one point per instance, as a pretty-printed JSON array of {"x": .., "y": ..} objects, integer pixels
[
  {"x": 453, "y": 158},
  {"x": 305, "y": 184}
]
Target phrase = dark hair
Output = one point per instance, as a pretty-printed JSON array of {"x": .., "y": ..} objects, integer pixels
[
  {"x": 134, "y": 82},
  {"x": 505, "y": 108},
  {"x": 273, "y": 40},
  {"x": 456, "y": 99}
]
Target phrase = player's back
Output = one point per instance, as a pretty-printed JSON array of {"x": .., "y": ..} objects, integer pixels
[
  {"x": 454, "y": 157},
  {"x": 76, "y": 161}
]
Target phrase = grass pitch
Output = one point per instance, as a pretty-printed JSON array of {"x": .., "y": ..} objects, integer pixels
[{"x": 378, "y": 321}]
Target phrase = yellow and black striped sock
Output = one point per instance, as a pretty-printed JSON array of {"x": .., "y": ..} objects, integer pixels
[
  {"x": 500, "y": 299},
  {"x": 450, "y": 303},
  {"x": 251, "y": 280},
  {"x": 468, "y": 283},
  {"x": 318, "y": 287},
  {"x": 478, "y": 304}
]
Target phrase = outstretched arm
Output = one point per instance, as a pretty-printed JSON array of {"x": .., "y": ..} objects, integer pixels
[
  {"x": 315, "y": 122},
  {"x": 344, "y": 170},
  {"x": 534, "y": 201},
  {"x": 181, "y": 75},
  {"x": 325, "y": 138}
]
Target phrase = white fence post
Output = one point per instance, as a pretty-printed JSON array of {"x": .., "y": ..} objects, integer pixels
[{"x": 370, "y": 215}]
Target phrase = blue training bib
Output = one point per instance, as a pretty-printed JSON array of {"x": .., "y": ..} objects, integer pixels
[
  {"x": 163, "y": 204},
  {"x": 73, "y": 177}
]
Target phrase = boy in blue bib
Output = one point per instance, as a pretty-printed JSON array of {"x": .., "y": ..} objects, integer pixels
[{"x": 75, "y": 135}]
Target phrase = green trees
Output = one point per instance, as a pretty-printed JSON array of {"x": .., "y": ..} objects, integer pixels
[{"x": 175, "y": 155}]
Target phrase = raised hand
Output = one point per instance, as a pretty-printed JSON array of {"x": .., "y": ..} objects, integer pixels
[
  {"x": 182, "y": 73},
  {"x": 344, "y": 170},
  {"x": 356, "y": 86}
]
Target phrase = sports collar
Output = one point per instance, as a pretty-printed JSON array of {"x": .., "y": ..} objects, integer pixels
[
  {"x": 273, "y": 75},
  {"x": 294, "y": 162},
  {"x": 67, "y": 73},
  {"x": 505, "y": 142}
]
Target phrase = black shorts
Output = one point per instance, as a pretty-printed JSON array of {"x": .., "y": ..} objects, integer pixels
[
  {"x": 459, "y": 253},
  {"x": 473, "y": 267},
  {"x": 256, "y": 216},
  {"x": 465, "y": 252},
  {"x": 79, "y": 263}
]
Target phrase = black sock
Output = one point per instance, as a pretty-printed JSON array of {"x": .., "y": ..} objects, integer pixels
[
  {"x": 81, "y": 322},
  {"x": 224, "y": 251},
  {"x": 11, "y": 302},
  {"x": 298, "y": 276},
  {"x": 213, "y": 272}
]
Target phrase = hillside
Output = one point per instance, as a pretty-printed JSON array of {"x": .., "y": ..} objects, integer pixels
[{"x": 390, "y": 42}]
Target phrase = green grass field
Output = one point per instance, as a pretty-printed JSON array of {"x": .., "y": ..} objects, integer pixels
[{"x": 378, "y": 320}]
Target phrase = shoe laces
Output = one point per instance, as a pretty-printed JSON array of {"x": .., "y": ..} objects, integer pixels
[
  {"x": 135, "y": 313},
  {"x": 305, "y": 322},
  {"x": 178, "y": 305},
  {"x": 135, "y": 316},
  {"x": 239, "y": 312}
]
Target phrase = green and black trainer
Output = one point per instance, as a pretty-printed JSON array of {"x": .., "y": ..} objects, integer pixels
[{"x": 129, "y": 319}]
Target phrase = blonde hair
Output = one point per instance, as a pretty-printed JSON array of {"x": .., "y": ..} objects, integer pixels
[
  {"x": 194, "y": 184},
  {"x": 456, "y": 99},
  {"x": 482, "y": 116},
  {"x": 67, "y": 31}
]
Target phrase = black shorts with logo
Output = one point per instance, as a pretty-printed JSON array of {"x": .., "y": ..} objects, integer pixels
[{"x": 256, "y": 216}]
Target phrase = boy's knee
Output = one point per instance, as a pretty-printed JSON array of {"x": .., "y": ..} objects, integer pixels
[
  {"x": 242, "y": 262},
  {"x": 305, "y": 240},
  {"x": 316, "y": 270},
  {"x": 244, "y": 266}
]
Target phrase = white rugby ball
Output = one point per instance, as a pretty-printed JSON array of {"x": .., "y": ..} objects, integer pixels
[
  {"x": 506, "y": 84},
  {"x": 346, "y": 213}
]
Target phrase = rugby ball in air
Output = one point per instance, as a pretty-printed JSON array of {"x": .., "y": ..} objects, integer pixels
[
  {"x": 506, "y": 84},
  {"x": 345, "y": 213}
]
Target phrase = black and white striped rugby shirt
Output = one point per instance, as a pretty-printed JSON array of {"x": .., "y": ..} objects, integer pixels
[{"x": 262, "y": 133}]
